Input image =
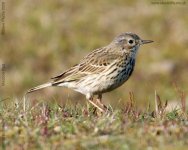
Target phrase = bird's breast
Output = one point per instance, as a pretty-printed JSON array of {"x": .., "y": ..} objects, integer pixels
[
  {"x": 124, "y": 71},
  {"x": 119, "y": 74}
]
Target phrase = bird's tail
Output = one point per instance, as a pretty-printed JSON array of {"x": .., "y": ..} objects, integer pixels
[{"x": 39, "y": 87}]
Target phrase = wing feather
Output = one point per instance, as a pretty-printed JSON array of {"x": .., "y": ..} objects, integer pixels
[{"x": 94, "y": 63}]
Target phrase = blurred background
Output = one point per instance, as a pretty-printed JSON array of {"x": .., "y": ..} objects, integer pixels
[{"x": 44, "y": 38}]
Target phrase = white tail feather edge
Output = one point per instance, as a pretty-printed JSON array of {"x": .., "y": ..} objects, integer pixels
[{"x": 39, "y": 87}]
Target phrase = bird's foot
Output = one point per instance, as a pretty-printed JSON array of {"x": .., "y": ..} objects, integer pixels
[
  {"x": 99, "y": 103},
  {"x": 96, "y": 106}
]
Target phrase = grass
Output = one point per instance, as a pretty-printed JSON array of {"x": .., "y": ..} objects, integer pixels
[{"x": 47, "y": 125}]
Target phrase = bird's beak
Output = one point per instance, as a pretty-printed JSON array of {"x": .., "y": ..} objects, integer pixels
[{"x": 145, "y": 41}]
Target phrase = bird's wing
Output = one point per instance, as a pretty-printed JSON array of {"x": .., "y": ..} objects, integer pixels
[{"x": 94, "y": 63}]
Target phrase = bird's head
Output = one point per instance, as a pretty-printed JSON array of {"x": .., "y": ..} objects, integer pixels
[{"x": 129, "y": 42}]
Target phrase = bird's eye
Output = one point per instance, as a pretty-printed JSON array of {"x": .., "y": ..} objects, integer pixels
[{"x": 131, "y": 41}]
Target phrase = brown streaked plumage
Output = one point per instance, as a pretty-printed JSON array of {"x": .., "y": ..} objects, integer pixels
[{"x": 102, "y": 70}]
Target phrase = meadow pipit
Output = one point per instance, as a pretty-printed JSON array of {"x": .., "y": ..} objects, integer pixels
[{"x": 102, "y": 70}]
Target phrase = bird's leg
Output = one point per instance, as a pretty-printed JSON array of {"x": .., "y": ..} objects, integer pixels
[
  {"x": 94, "y": 104},
  {"x": 99, "y": 101}
]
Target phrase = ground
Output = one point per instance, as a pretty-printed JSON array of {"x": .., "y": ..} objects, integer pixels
[{"x": 47, "y": 125}]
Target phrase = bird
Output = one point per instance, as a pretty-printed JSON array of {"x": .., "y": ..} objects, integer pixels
[{"x": 102, "y": 70}]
